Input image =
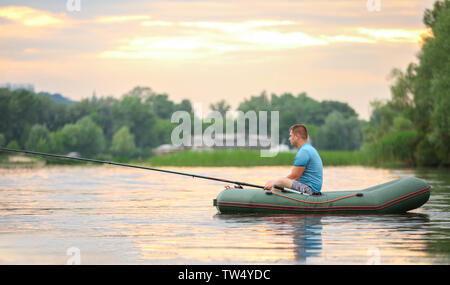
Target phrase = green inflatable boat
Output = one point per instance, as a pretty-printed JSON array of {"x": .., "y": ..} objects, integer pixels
[{"x": 394, "y": 197}]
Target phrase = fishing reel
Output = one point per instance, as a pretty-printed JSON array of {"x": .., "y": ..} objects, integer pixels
[{"x": 237, "y": 186}]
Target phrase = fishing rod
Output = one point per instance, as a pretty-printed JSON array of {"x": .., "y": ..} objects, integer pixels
[{"x": 237, "y": 183}]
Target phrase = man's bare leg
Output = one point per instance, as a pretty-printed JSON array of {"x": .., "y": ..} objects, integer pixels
[{"x": 283, "y": 181}]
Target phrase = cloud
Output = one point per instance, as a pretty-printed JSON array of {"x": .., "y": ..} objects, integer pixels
[
  {"x": 233, "y": 27},
  {"x": 349, "y": 39},
  {"x": 31, "y": 17},
  {"x": 30, "y": 50},
  {"x": 156, "y": 23},
  {"x": 121, "y": 19},
  {"x": 316, "y": 46},
  {"x": 165, "y": 48},
  {"x": 395, "y": 35},
  {"x": 197, "y": 39}
]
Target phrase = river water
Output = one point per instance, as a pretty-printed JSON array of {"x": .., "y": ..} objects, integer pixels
[{"x": 116, "y": 215}]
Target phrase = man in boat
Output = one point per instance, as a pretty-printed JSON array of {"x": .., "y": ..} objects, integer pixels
[{"x": 307, "y": 172}]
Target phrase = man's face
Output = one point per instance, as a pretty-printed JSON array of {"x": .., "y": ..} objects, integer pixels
[{"x": 292, "y": 138}]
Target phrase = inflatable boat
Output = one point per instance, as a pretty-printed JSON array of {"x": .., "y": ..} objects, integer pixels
[{"x": 397, "y": 196}]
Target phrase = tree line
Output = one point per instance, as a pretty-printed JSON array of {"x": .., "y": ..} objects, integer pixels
[
  {"x": 140, "y": 121},
  {"x": 127, "y": 127},
  {"x": 332, "y": 125},
  {"x": 414, "y": 125}
]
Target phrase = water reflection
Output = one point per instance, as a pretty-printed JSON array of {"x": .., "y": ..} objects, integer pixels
[
  {"x": 342, "y": 239},
  {"x": 307, "y": 237},
  {"x": 123, "y": 216}
]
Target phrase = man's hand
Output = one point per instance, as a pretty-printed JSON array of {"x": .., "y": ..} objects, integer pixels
[
  {"x": 296, "y": 173},
  {"x": 269, "y": 185},
  {"x": 282, "y": 181}
]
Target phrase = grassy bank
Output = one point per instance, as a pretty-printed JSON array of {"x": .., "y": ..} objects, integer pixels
[
  {"x": 236, "y": 157},
  {"x": 251, "y": 158},
  {"x": 17, "y": 160}
]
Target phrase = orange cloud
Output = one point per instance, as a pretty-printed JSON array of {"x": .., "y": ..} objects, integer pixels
[
  {"x": 394, "y": 35},
  {"x": 121, "y": 19},
  {"x": 278, "y": 45},
  {"x": 191, "y": 39},
  {"x": 31, "y": 17},
  {"x": 196, "y": 39}
]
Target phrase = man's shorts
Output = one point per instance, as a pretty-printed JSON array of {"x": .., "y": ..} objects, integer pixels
[{"x": 296, "y": 185}]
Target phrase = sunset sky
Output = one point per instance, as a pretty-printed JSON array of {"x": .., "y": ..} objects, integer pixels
[{"x": 211, "y": 50}]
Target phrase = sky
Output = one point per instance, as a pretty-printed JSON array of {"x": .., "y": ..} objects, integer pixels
[{"x": 207, "y": 51}]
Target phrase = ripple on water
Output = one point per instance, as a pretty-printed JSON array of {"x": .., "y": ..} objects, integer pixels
[{"x": 119, "y": 215}]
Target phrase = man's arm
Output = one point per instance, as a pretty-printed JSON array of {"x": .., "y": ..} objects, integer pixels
[{"x": 296, "y": 172}]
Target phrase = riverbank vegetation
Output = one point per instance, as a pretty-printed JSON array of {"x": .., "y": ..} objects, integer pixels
[
  {"x": 414, "y": 125},
  {"x": 252, "y": 158},
  {"x": 129, "y": 128}
]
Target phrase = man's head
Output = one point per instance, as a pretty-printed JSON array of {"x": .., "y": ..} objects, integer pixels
[{"x": 298, "y": 135}]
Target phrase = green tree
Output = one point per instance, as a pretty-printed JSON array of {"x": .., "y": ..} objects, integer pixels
[
  {"x": 185, "y": 105},
  {"x": 85, "y": 137},
  {"x": 402, "y": 91},
  {"x": 431, "y": 85},
  {"x": 256, "y": 103},
  {"x": 79, "y": 110},
  {"x": 13, "y": 144},
  {"x": 21, "y": 109},
  {"x": 141, "y": 92},
  {"x": 419, "y": 96},
  {"x": 287, "y": 119},
  {"x": 123, "y": 143},
  {"x": 435, "y": 57},
  {"x": 222, "y": 107},
  {"x": 58, "y": 139},
  {"x": 396, "y": 146},
  {"x": 162, "y": 106},
  {"x": 133, "y": 112},
  {"x": 163, "y": 131},
  {"x": 328, "y": 106},
  {"x": 297, "y": 109},
  {"x": 21, "y": 114},
  {"x": 339, "y": 133},
  {"x": 39, "y": 139},
  {"x": 401, "y": 123},
  {"x": 103, "y": 114}
]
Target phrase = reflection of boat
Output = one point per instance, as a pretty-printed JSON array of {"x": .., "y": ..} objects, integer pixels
[
  {"x": 306, "y": 231},
  {"x": 307, "y": 237},
  {"x": 397, "y": 196}
]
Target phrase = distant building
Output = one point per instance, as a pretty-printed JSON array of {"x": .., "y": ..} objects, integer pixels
[
  {"x": 73, "y": 154},
  {"x": 229, "y": 141},
  {"x": 166, "y": 149},
  {"x": 17, "y": 86},
  {"x": 281, "y": 148}
]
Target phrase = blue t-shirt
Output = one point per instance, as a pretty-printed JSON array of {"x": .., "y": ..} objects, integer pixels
[{"x": 308, "y": 156}]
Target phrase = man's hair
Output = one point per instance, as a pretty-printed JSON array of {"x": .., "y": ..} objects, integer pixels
[{"x": 300, "y": 130}]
